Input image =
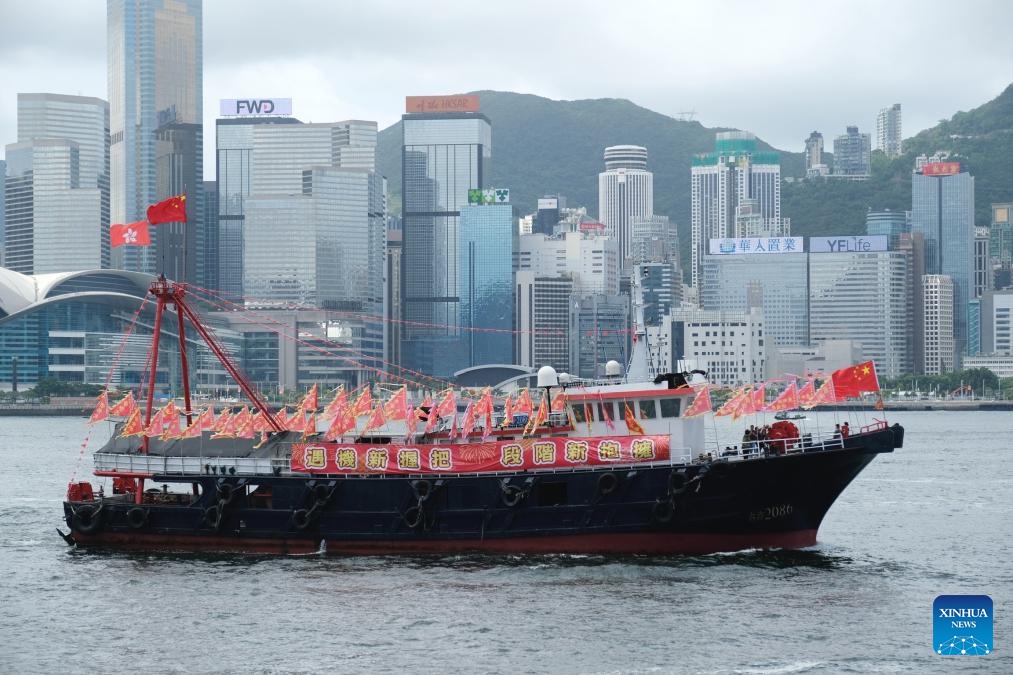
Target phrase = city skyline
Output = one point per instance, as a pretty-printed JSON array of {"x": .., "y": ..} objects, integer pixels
[{"x": 803, "y": 81}]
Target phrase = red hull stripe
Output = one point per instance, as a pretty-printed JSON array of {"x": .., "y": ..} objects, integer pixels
[{"x": 643, "y": 543}]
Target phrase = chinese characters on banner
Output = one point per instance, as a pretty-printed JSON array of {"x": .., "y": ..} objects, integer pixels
[{"x": 519, "y": 455}]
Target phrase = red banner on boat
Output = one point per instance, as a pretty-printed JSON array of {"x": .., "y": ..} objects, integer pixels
[{"x": 519, "y": 455}]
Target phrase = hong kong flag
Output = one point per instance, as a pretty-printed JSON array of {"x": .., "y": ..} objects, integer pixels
[
  {"x": 131, "y": 234},
  {"x": 171, "y": 210}
]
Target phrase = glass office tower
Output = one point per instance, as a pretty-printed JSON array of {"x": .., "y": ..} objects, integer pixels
[
  {"x": 485, "y": 284},
  {"x": 155, "y": 62},
  {"x": 443, "y": 156}
]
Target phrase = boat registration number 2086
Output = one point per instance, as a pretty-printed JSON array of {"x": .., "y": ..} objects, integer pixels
[{"x": 771, "y": 512}]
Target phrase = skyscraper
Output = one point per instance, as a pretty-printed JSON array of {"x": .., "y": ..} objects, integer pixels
[
  {"x": 155, "y": 61},
  {"x": 853, "y": 155},
  {"x": 314, "y": 229},
  {"x": 814, "y": 165},
  {"x": 625, "y": 193},
  {"x": 721, "y": 181},
  {"x": 444, "y": 155},
  {"x": 942, "y": 210},
  {"x": 888, "y": 131},
  {"x": 57, "y": 198},
  {"x": 234, "y": 143},
  {"x": 485, "y": 285}
]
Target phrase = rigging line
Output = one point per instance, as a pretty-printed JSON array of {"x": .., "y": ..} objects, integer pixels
[
  {"x": 421, "y": 324},
  {"x": 284, "y": 333},
  {"x": 109, "y": 377}
]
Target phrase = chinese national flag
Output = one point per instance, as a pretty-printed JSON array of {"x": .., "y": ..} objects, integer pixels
[
  {"x": 171, "y": 210},
  {"x": 131, "y": 234},
  {"x": 855, "y": 380}
]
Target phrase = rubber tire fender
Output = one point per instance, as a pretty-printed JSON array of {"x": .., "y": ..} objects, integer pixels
[
  {"x": 607, "y": 483},
  {"x": 512, "y": 495},
  {"x": 301, "y": 519},
  {"x": 137, "y": 517},
  {"x": 663, "y": 511},
  {"x": 87, "y": 519}
]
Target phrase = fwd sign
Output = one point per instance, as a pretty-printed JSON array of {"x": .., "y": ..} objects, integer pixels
[{"x": 255, "y": 106}]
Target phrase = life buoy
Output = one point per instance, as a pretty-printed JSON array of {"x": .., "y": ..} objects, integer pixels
[
  {"x": 512, "y": 495},
  {"x": 137, "y": 517},
  {"x": 607, "y": 483},
  {"x": 87, "y": 519},
  {"x": 663, "y": 510},
  {"x": 301, "y": 519},
  {"x": 677, "y": 481},
  {"x": 414, "y": 516},
  {"x": 422, "y": 488},
  {"x": 213, "y": 517}
]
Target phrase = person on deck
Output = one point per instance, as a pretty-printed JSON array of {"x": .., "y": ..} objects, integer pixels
[{"x": 845, "y": 430}]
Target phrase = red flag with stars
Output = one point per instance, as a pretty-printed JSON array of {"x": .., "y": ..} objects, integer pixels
[
  {"x": 855, "y": 380},
  {"x": 171, "y": 210}
]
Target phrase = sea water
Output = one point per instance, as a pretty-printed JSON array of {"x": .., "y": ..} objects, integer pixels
[{"x": 930, "y": 519}]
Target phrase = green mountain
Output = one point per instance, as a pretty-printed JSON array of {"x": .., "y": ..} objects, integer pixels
[
  {"x": 981, "y": 140},
  {"x": 544, "y": 147}
]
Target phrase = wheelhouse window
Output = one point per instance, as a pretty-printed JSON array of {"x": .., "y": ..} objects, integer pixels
[
  {"x": 578, "y": 413},
  {"x": 602, "y": 408},
  {"x": 669, "y": 407},
  {"x": 648, "y": 410}
]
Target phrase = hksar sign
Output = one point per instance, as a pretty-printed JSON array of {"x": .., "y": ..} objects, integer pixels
[
  {"x": 440, "y": 104},
  {"x": 941, "y": 169},
  {"x": 246, "y": 107}
]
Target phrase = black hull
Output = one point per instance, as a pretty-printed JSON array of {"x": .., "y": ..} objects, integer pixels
[{"x": 774, "y": 502}]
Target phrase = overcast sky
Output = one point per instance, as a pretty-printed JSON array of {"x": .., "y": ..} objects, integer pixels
[{"x": 778, "y": 69}]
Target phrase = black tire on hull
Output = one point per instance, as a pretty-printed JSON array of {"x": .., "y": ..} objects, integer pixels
[
  {"x": 87, "y": 519},
  {"x": 137, "y": 518},
  {"x": 663, "y": 511},
  {"x": 301, "y": 519},
  {"x": 607, "y": 483}
]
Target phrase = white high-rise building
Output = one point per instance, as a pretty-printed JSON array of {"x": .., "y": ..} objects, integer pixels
[
  {"x": 842, "y": 289},
  {"x": 888, "y": 131},
  {"x": 625, "y": 193},
  {"x": 591, "y": 260},
  {"x": 722, "y": 182},
  {"x": 940, "y": 345},
  {"x": 57, "y": 191}
]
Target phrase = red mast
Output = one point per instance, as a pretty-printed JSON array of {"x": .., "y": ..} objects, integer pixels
[{"x": 172, "y": 292}]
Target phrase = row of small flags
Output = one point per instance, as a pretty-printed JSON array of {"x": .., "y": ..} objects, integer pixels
[
  {"x": 342, "y": 413},
  {"x": 842, "y": 384},
  {"x": 171, "y": 210}
]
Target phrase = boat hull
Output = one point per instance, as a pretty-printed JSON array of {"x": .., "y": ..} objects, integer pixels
[{"x": 771, "y": 502}]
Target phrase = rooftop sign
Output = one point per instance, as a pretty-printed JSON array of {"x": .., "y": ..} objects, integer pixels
[
  {"x": 488, "y": 196},
  {"x": 940, "y": 168},
  {"x": 750, "y": 245},
  {"x": 247, "y": 107},
  {"x": 441, "y": 104},
  {"x": 868, "y": 243}
]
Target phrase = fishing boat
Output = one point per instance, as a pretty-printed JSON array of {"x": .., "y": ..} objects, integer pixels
[
  {"x": 616, "y": 465},
  {"x": 790, "y": 415}
]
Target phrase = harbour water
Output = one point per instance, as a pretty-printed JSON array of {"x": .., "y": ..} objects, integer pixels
[{"x": 932, "y": 518}]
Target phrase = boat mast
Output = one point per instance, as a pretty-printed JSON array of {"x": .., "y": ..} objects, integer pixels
[
  {"x": 638, "y": 369},
  {"x": 164, "y": 292}
]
